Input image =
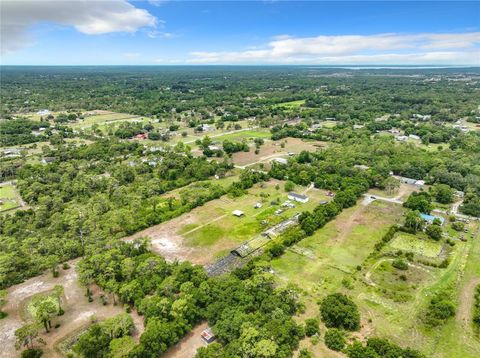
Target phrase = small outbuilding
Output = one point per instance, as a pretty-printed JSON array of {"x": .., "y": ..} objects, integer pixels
[
  {"x": 238, "y": 213},
  {"x": 207, "y": 335}
]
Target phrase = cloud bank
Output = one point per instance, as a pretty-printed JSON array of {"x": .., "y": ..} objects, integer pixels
[
  {"x": 391, "y": 48},
  {"x": 90, "y": 17}
]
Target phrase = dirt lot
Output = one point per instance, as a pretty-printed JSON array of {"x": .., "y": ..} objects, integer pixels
[
  {"x": 273, "y": 149},
  {"x": 172, "y": 246},
  {"x": 77, "y": 310}
]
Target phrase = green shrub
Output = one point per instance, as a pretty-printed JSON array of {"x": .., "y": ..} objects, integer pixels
[
  {"x": 458, "y": 226},
  {"x": 311, "y": 327},
  {"x": 476, "y": 308},
  {"x": 439, "y": 310},
  {"x": 335, "y": 339},
  {"x": 32, "y": 353},
  {"x": 400, "y": 264},
  {"x": 305, "y": 353}
]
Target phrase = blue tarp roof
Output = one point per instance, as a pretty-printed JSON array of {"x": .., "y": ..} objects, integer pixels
[{"x": 431, "y": 217}]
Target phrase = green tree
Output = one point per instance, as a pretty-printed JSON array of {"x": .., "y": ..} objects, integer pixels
[
  {"x": 339, "y": 311},
  {"x": 443, "y": 193},
  {"x": 3, "y": 302},
  {"x": 45, "y": 310},
  {"x": 25, "y": 335},
  {"x": 391, "y": 184},
  {"x": 434, "y": 232},
  {"x": 413, "y": 220},
  {"x": 289, "y": 185}
]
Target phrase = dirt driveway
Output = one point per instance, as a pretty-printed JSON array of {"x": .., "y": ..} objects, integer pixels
[{"x": 188, "y": 345}]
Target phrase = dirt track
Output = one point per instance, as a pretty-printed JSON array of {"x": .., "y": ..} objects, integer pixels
[{"x": 464, "y": 315}]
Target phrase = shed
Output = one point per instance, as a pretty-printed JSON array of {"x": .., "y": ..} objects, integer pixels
[
  {"x": 207, "y": 335},
  {"x": 238, "y": 213}
]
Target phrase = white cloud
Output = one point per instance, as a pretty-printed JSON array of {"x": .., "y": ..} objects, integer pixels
[
  {"x": 423, "y": 48},
  {"x": 90, "y": 17},
  {"x": 161, "y": 34}
]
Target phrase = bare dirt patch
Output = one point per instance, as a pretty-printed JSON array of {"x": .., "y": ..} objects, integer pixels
[{"x": 168, "y": 243}]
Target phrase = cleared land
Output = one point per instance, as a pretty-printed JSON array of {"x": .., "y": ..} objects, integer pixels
[
  {"x": 208, "y": 232},
  {"x": 290, "y": 105},
  {"x": 274, "y": 149},
  {"x": 188, "y": 345},
  {"x": 322, "y": 260}
]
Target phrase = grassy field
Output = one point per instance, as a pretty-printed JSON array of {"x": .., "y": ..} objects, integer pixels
[
  {"x": 334, "y": 259},
  {"x": 290, "y": 105},
  {"x": 104, "y": 117},
  {"x": 9, "y": 198},
  {"x": 419, "y": 246},
  {"x": 321, "y": 261},
  {"x": 237, "y": 230},
  {"x": 250, "y": 134}
]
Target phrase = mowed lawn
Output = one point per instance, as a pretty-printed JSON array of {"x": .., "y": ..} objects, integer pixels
[{"x": 334, "y": 251}]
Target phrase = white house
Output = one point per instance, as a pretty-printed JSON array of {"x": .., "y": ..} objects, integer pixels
[{"x": 298, "y": 197}]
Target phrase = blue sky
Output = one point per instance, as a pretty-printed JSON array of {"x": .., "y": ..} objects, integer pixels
[{"x": 239, "y": 32}]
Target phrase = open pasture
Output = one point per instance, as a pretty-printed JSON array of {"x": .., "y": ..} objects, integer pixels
[{"x": 104, "y": 118}]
